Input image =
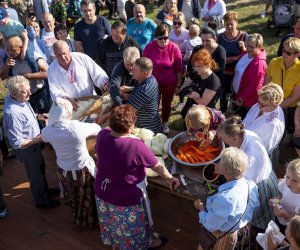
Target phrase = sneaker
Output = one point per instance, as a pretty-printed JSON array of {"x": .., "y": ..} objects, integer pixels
[
  {"x": 263, "y": 14},
  {"x": 3, "y": 213},
  {"x": 165, "y": 128},
  {"x": 179, "y": 106}
]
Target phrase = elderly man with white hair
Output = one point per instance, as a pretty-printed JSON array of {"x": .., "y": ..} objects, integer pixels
[
  {"x": 73, "y": 74},
  {"x": 23, "y": 133},
  {"x": 76, "y": 166}
]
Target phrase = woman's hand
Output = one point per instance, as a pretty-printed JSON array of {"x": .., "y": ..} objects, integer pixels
[
  {"x": 194, "y": 95},
  {"x": 173, "y": 183},
  {"x": 239, "y": 102},
  {"x": 270, "y": 243},
  {"x": 280, "y": 212},
  {"x": 199, "y": 205}
]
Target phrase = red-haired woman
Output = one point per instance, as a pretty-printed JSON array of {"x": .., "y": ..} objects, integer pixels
[{"x": 207, "y": 85}]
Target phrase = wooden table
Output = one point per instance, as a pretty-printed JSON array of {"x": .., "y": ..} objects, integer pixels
[{"x": 196, "y": 187}]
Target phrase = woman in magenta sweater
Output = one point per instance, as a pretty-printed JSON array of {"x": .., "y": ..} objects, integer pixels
[
  {"x": 249, "y": 75},
  {"x": 167, "y": 69}
]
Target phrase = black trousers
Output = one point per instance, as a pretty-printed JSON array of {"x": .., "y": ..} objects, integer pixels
[{"x": 34, "y": 163}]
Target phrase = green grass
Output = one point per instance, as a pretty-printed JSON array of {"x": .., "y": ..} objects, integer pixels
[{"x": 249, "y": 21}]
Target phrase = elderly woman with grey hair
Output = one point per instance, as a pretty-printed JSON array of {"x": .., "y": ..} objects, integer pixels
[
  {"x": 232, "y": 207},
  {"x": 76, "y": 168}
]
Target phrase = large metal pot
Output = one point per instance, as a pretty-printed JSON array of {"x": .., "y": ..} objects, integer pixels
[{"x": 184, "y": 137}]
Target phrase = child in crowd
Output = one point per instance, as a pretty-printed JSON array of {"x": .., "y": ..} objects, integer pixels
[
  {"x": 188, "y": 45},
  {"x": 61, "y": 33},
  {"x": 287, "y": 204}
]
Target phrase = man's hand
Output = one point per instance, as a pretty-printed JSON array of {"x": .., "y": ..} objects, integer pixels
[
  {"x": 11, "y": 62},
  {"x": 126, "y": 89},
  {"x": 73, "y": 102},
  {"x": 42, "y": 117}
]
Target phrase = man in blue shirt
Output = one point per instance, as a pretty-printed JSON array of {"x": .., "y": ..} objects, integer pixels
[
  {"x": 90, "y": 30},
  {"x": 140, "y": 28},
  {"x": 145, "y": 95},
  {"x": 23, "y": 133}
]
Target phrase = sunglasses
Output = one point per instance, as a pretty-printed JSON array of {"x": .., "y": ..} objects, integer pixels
[
  {"x": 160, "y": 38},
  {"x": 288, "y": 53},
  {"x": 177, "y": 23}
]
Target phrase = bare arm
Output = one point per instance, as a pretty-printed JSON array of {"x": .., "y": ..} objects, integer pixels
[
  {"x": 163, "y": 172},
  {"x": 24, "y": 44},
  {"x": 297, "y": 122},
  {"x": 231, "y": 59},
  {"x": 294, "y": 97},
  {"x": 29, "y": 142},
  {"x": 267, "y": 80},
  {"x": 79, "y": 46},
  {"x": 41, "y": 75},
  {"x": 206, "y": 97}
]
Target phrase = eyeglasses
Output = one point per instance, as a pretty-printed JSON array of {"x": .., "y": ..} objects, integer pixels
[
  {"x": 177, "y": 23},
  {"x": 160, "y": 38},
  {"x": 288, "y": 53},
  {"x": 263, "y": 105}
]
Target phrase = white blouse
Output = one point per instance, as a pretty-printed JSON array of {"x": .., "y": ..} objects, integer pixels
[
  {"x": 259, "y": 165},
  {"x": 269, "y": 126}
]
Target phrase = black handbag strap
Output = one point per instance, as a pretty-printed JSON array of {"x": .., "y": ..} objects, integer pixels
[{"x": 241, "y": 216}]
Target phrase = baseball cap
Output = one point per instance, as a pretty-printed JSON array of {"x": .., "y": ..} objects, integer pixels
[
  {"x": 3, "y": 13},
  {"x": 3, "y": 1}
]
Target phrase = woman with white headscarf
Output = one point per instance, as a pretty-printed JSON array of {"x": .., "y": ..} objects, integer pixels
[{"x": 76, "y": 166}]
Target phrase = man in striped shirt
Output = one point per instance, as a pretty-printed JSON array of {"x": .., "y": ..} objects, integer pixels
[{"x": 145, "y": 95}]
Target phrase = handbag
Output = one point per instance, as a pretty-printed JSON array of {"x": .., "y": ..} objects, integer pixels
[{"x": 207, "y": 239}]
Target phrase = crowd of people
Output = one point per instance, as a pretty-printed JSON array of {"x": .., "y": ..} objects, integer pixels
[{"x": 141, "y": 63}]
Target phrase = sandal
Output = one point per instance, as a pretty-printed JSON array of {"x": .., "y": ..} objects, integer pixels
[{"x": 163, "y": 241}]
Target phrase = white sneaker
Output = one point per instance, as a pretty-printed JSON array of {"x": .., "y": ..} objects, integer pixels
[
  {"x": 263, "y": 14},
  {"x": 179, "y": 106},
  {"x": 165, "y": 128}
]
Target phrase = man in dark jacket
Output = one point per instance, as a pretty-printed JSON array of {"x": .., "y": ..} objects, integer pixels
[{"x": 110, "y": 50}]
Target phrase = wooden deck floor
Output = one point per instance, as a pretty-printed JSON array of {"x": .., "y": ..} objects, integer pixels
[{"x": 27, "y": 227}]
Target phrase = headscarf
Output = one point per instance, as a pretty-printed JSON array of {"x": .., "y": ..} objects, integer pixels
[{"x": 61, "y": 110}]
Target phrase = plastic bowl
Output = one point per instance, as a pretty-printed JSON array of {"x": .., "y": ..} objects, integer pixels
[{"x": 184, "y": 137}]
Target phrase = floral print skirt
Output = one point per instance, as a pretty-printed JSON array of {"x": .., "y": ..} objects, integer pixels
[{"x": 124, "y": 227}]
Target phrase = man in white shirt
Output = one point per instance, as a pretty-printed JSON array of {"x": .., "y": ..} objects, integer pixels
[
  {"x": 73, "y": 74},
  {"x": 48, "y": 35}
]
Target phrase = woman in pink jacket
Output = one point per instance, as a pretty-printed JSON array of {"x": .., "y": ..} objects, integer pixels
[
  {"x": 167, "y": 69},
  {"x": 249, "y": 75}
]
